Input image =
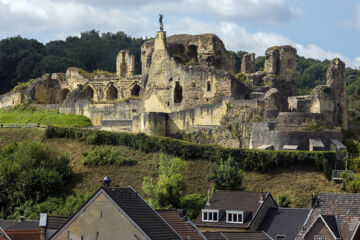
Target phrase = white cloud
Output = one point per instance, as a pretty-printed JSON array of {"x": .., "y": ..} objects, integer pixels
[
  {"x": 355, "y": 22},
  {"x": 238, "y": 38},
  {"x": 54, "y": 19}
]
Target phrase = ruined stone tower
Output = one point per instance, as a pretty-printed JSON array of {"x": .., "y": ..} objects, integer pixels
[
  {"x": 336, "y": 80},
  {"x": 281, "y": 61},
  {"x": 248, "y": 63},
  {"x": 125, "y": 64}
]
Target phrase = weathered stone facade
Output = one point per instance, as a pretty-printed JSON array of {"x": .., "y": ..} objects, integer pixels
[
  {"x": 248, "y": 63},
  {"x": 187, "y": 85}
]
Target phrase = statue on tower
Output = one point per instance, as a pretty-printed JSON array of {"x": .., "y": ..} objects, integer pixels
[{"x": 161, "y": 22}]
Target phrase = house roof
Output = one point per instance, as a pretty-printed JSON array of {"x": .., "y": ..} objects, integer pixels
[
  {"x": 332, "y": 224},
  {"x": 137, "y": 209},
  {"x": 24, "y": 234},
  {"x": 236, "y": 236},
  {"x": 346, "y": 208},
  {"x": 19, "y": 225},
  {"x": 233, "y": 200},
  {"x": 284, "y": 221},
  {"x": 55, "y": 222},
  {"x": 181, "y": 224}
]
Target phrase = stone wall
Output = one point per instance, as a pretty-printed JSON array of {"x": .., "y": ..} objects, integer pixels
[
  {"x": 263, "y": 133},
  {"x": 336, "y": 80},
  {"x": 248, "y": 63},
  {"x": 206, "y": 50},
  {"x": 99, "y": 112},
  {"x": 10, "y": 99},
  {"x": 125, "y": 64},
  {"x": 173, "y": 87}
]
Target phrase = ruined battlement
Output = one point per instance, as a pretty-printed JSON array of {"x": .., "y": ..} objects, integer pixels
[{"x": 188, "y": 84}]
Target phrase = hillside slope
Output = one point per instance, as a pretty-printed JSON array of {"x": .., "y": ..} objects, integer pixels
[{"x": 298, "y": 184}]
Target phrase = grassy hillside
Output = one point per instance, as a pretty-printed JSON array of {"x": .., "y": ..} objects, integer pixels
[
  {"x": 27, "y": 114},
  {"x": 298, "y": 184}
]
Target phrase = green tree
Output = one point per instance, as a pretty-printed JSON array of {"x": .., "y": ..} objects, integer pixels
[
  {"x": 31, "y": 172},
  {"x": 227, "y": 175},
  {"x": 170, "y": 186}
]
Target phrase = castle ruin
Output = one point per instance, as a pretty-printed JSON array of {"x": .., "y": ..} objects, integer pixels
[{"x": 187, "y": 85}]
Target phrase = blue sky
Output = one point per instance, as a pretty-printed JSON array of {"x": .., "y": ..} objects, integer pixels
[{"x": 321, "y": 29}]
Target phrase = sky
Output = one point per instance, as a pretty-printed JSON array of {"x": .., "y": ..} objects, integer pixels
[{"x": 320, "y": 29}]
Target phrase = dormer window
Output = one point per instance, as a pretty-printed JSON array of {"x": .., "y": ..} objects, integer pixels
[
  {"x": 210, "y": 215},
  {"x": 235, "y": 217}
]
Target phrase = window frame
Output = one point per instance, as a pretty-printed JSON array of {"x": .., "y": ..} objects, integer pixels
[
  {"x": 208, "y": 212},
  {"x": 232, "y": 213},
  {"x": 317, "y": 237}
]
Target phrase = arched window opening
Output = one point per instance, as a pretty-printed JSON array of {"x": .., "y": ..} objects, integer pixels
[
  {"x": 111, "y": 93},
  {"x": 135, "y": 91},
  {"x": 208, "y": 87},
  {"x": 178, "y": 93},
  {"x": 89, "y": 92},
  {"x": 192, "y": 52}
]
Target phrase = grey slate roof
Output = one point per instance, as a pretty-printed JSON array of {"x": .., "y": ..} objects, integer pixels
[
  {"x": 55, "y": 222},
  {"x": 284, "y": 221},
  {"x": 332, "y": 223},
  {"x": 144, "y": 216},
  {"x": 236, "y": 236},
  {"x": 19, "y": 225},
  {"x": 345, "y": 206},
  {"x": 232, "y": 200}
]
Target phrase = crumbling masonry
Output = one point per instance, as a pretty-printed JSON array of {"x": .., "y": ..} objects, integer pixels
[{"x": 188, "y": 86}]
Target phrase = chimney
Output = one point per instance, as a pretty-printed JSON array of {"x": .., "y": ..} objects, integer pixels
[
  {"x": 208, "y": 203},
  {"x": 314, "y": 199},
  {"x": 106, "y": 181},
  {"x": 42, "y": 224},
  {"x": 22, "y": 219},
  {"x": 262, "y": 196}
]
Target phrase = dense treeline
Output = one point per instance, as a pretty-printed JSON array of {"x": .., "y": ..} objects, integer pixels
[{"x": 22, "y": 59}]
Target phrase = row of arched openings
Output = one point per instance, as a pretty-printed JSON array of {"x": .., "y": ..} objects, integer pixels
[{"x": 111, "y": 93}]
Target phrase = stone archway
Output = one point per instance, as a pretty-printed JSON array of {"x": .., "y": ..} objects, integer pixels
[
  {"x": 111, "y": 93},
  {"x": 62, "y": 95},
  {"x": 89, "y": 91},
  {"x": 135, "y": 91}
]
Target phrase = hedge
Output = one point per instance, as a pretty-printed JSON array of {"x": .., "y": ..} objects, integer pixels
[{"x": 248, "y": 159}]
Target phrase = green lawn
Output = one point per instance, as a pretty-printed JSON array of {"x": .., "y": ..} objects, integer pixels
[{"x": 27, "y": 114}]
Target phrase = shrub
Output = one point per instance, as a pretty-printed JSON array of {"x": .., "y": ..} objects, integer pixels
[
  {"x": 241, "y": 76},
  {"x": 31, "y": 172},
  {"x": 170, "y": 186},
  {"x": 192, "y": 62},
  {"x": 227, "y": 175},
  {"x": 193, "y": 203},
  {"x": 22, "y": 85},
  {"x": 247, "y": 159},
  {"x": 284, "y": 201},
  {"x": 102, "y": 156},
  {"x": 352, "y": 145}
]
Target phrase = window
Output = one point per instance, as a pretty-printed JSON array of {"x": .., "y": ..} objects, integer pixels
[
  {"x": 234, "y": 216},
  {"x": 319, "y": 237},
  {"x": 208, "y": 86},
  {"x": 210, "y": 215}
]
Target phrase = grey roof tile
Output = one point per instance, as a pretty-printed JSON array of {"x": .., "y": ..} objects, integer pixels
[{"x": 284, "y": 221}]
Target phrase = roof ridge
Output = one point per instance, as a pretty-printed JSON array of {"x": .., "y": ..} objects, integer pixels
[{"x": 294, "y": 208}]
